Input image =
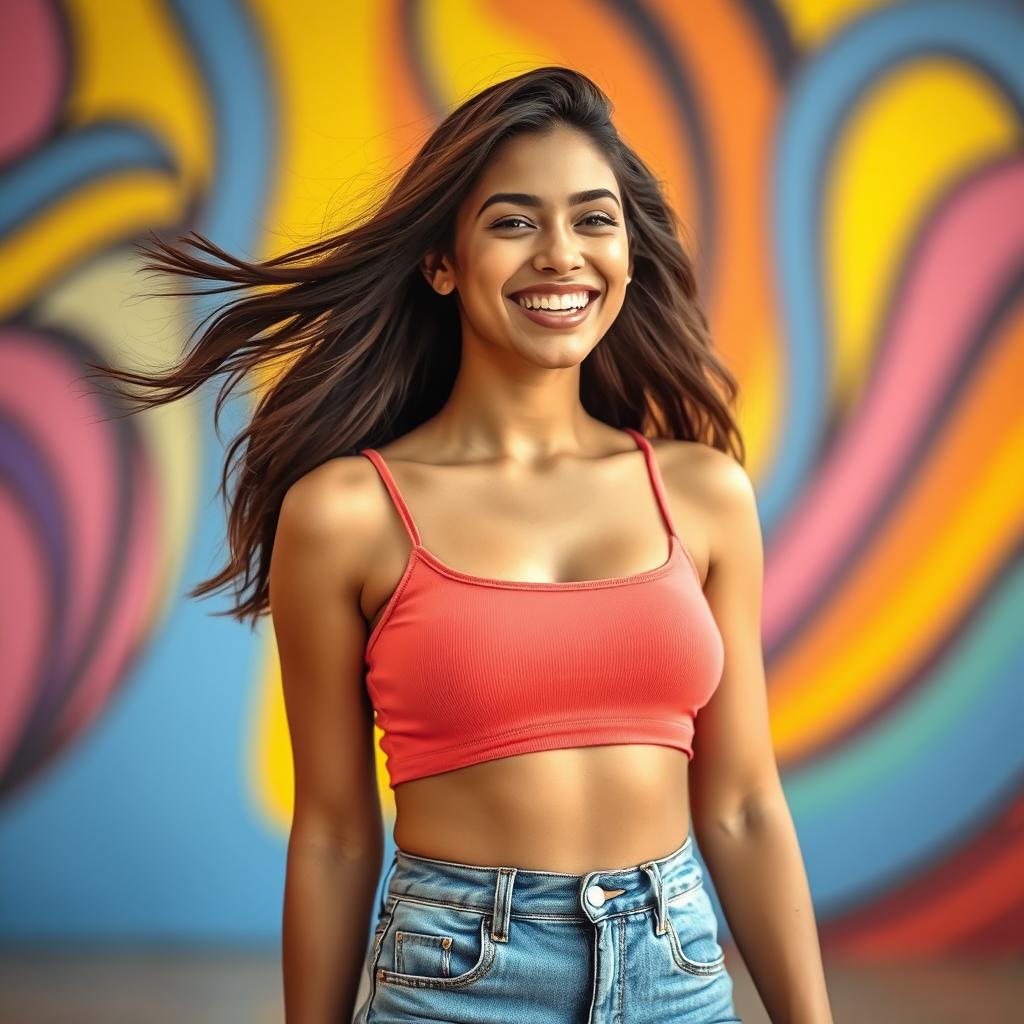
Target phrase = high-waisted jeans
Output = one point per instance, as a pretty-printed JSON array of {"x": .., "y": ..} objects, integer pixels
[{"x": 466, "y": 944}]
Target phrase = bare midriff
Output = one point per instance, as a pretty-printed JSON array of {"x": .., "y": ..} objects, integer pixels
[{"x": 571, "y": 810}]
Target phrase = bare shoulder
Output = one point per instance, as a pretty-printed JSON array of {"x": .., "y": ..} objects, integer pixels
[
  {"x": 334, "y": 508},
  {"x": 701, "y": 467},
  {"x": 319, "y": 497},
  {"x": 711, "y": 485}
]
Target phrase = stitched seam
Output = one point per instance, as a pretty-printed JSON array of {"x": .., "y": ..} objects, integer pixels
[
  {"x": 396, "y": 898},
  {"x": 622, "y": 967},
  {"x": 684, "y": 962},
  {"x": 391, "y": 604},
  {"x": 413, "y": 760},
  {"x": 487, "y": 957},
  {"x": 612, "y": 581},
  {"x": 691, "y": 966},
  {"x": 421, "y": 554}
]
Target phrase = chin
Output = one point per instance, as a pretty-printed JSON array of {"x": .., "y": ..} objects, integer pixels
[{"x": 558, "y": 355}]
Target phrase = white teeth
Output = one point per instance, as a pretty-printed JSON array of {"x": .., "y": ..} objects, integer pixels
[{"x": 574, "y": 300}]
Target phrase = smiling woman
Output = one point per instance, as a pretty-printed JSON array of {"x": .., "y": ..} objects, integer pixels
[
  {"x": 491, "y": 346},
  {"x": 566, "y": 313}
]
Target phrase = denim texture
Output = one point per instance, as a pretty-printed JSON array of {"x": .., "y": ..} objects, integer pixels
[{"x": 466, "y": 944}]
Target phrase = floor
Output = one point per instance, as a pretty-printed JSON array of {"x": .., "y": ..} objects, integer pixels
[{"x": 169, "y": 986}]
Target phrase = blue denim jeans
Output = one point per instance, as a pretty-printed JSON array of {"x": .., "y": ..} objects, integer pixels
[{"x": 466, "y": 944}]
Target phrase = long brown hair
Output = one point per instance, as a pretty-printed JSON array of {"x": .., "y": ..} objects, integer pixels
[{"x": 358, "y": 349}]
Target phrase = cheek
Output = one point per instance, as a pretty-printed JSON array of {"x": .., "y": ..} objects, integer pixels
[
  {"x": 489, "y": 259},
  {"x": 484, "y": 306},
  {"x": 619, "y": 251},
  {"x": 484, "y": 290},
  {"x": 612, "y": 302}
]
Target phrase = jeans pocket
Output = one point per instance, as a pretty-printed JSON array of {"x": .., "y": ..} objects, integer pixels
[
  {"x": 693, "y": 932},
  {"x": 423, "y": 955},
  {"x": 435, "y": 945}
]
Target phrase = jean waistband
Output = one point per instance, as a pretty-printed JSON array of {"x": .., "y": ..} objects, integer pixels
[{"x": 506, "y": 891}]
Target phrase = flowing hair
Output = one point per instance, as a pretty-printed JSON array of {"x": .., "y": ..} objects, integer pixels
[{"x": 358, "y": 349}]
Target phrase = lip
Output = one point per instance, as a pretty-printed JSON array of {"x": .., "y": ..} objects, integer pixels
[{"x": 557, "y": 321}]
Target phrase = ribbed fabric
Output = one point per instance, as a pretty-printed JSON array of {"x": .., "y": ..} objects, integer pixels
[{"x": 464, "y": 668}]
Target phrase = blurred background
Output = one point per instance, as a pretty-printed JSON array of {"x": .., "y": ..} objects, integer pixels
[{"x": 852, "y": 175}]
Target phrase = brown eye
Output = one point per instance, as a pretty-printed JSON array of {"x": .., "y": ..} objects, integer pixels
[
  {"x": 506, "y": 222},
  {"x": 603, "y": 220}
]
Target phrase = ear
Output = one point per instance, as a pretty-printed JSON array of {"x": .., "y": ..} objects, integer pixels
[{"x": 437, "y": 273}]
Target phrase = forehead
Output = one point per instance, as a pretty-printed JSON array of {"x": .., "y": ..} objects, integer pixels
[{"x": 551, "y": 166}]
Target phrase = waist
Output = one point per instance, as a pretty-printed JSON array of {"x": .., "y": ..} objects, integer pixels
[{"x": 600, "y": 892}]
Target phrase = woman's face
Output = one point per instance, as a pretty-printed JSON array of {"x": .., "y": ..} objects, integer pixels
[{"x": 525, "y": 225}]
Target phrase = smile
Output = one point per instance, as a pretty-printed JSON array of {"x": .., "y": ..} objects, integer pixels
[{"x": 556, "y": 319}]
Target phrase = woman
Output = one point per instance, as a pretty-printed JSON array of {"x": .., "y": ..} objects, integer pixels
[{"x": 450, "y": 506}]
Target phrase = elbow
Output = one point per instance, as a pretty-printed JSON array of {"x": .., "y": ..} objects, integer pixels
[
  {"x": 717, "y": 828},
  {"x": 349, "y": 841},
  {"x": 740, "y": 816}
]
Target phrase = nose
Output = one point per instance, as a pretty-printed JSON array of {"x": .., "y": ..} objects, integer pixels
[{"x": 561, "y": 253}]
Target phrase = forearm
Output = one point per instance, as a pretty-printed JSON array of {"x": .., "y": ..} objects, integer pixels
[
  {"x": 328, "y": 905},
  {"x": 759, "y": 876}
]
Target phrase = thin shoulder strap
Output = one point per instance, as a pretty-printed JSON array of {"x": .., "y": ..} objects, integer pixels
[
  {"x": 396, "y": 495},
  {"x": 655, "y": 475}
]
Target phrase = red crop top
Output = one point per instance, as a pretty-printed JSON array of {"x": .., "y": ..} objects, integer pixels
[{"x": 463, "y": 669}]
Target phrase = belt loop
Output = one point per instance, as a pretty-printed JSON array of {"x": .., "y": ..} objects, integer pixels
[
  {"x": 386, "y": 882},
  {"x": 502, "y": 904},
  {"x": 651, "y": 868}
]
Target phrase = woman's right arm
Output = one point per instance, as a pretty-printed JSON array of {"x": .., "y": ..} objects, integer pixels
[{"x": 335, "y": 847}]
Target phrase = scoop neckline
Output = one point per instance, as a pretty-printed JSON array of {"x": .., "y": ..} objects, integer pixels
[{"x": 426, "y": 555}]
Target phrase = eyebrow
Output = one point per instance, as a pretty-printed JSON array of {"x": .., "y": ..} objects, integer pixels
[{"x": 525, "y": 199}]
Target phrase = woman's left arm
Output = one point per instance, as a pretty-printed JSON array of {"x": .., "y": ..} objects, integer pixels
[{"x": 740, "y": 817}]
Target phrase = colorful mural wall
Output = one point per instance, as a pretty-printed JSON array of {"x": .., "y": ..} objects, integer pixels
[{"x": 853, "y": 176}]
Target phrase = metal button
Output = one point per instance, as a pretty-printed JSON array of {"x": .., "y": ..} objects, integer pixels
[{"x": 595, "y": 895}]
